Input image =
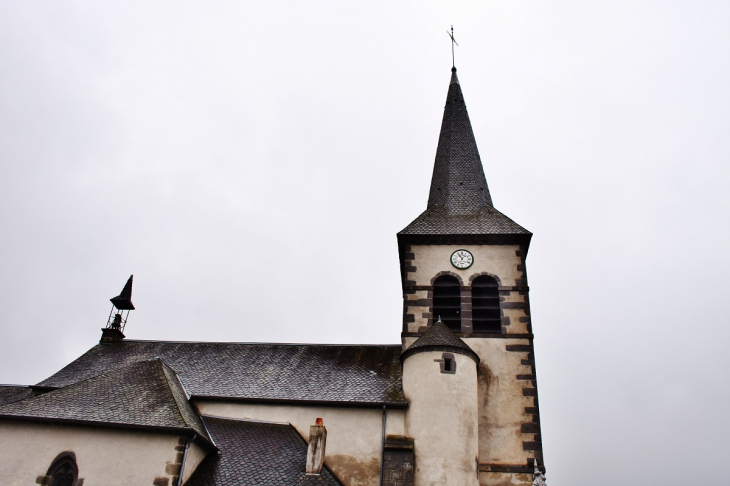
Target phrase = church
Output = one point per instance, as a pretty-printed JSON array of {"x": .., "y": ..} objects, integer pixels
[{"x": 454, "y": 403}]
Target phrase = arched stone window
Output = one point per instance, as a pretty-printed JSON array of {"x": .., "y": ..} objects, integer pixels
[
  {"x": 485, "y": 313},
  {"x": 63, "y": 470},
  {"x": 447, "y": 301}
]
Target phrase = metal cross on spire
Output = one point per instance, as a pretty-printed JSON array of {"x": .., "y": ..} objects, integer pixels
[{"x": 453, "y": 41}]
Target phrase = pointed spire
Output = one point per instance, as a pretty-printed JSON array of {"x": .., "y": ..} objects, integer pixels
[
  {"x": 459, "y": 202},
  {"x": 458, "y": 183},
  {"x": 123, "y": 301}
]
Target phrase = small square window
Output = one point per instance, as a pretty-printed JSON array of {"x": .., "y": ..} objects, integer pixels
[{"x": 448, "y": 363}]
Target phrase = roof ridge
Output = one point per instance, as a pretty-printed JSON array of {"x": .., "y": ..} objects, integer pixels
[
  {"x": 167, "y": 369},
  {"x": 393, "y": 345}
]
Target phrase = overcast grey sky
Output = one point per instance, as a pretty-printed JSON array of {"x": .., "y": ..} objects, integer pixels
[{"x": 251, "y": 163}]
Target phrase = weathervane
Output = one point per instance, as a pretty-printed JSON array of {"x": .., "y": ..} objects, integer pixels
[{"x": 453, "y": 41}]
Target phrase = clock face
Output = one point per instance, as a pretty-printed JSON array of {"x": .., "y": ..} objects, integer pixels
[{"x": 462, "y": 259}]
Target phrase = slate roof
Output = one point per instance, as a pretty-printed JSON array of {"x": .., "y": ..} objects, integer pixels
[
  {"x": 13, "y": 393},
  {"x": 256, "y": 453},
  {"x": 145, "y": 394},
  {"x": 487, "y": 220},
  {"x": 459, "y": 202},
  {"x": 258, "y": 371},
  {"x": 123, "y": 301},
  {"x": 440, "y": 337},
  {"x": 458, "y": 183}
]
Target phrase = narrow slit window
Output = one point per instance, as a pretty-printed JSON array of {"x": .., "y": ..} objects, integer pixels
[
  {"x": 486, "y": 315},
  {"x": 447, "y": 302},
  {"x": 448, "y": 363}
]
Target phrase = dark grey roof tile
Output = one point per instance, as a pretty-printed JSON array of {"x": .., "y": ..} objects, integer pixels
[
  {"x": 303, "y": 372},
  {"x": 440, "y": 337},
  {"x": 458, "y": 183},
  {"x": 143, "y": 394},
  {"x": 256, "y": 453},
  {"x": 13, "y": 393},
  {"x": 459, "y": 202},
  {"x": 484, "y": 221}
]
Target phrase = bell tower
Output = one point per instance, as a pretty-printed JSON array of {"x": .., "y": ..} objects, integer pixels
[
  {"x": 117, "y": 321},
  {"x": 463, "y": 263}
]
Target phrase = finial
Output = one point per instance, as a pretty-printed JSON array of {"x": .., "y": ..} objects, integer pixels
[
  {"x": 439, "y": 320},
  {"x": 453, "y": 41}
]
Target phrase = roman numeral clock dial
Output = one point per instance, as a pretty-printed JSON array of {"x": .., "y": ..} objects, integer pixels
[{"x": 462, "y": 259}]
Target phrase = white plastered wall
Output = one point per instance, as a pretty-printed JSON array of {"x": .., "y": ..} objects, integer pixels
[
  {"x": 499, "y": 260},
  {"x": 194, "y": 457},
  {"x": 442, "y": 419},
  {"x": 108, "y": 457},
  {"x": 354, "y": 435}
]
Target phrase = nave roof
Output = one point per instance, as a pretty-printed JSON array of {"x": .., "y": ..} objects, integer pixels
[{"x": 347, "y": 374}]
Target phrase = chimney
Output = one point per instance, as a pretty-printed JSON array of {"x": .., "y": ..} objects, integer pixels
[{"x": 315, "y": 451}]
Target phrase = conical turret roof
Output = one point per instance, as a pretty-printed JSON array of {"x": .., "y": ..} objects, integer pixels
[
  {"x": 459, "y": 201},
  {"x": 439, "y": 337}
]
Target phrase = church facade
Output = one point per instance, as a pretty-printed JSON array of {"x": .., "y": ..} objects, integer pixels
[{"x": 455, "y": 403}]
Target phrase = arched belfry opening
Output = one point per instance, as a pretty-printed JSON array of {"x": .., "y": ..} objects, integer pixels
[
  {"x": 63, "y": 470},
  {"x": 486, "y": 315},
  {"x": 447, "y": 301}
]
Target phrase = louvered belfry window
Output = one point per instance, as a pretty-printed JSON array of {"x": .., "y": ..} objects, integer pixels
[
  {"x": 485, "y": 312},
  {"x": 447, "y": 302}
]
